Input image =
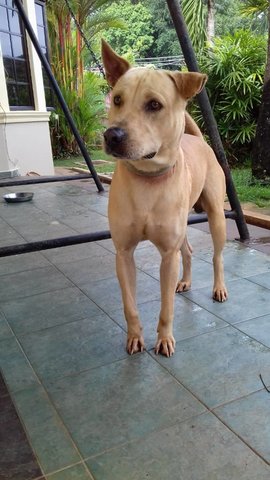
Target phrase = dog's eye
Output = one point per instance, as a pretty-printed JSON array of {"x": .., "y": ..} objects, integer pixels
[
  {"x": 117, "y": 100},
  {"x": 153, "y": 106}
]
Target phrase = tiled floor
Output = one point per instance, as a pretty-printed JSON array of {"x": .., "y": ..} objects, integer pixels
[{"x": 89, "y": 410}]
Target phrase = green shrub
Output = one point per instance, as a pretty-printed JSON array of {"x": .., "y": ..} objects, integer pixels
[
  {"x": 88, "y": 112},
  {"x": 235, "y": 66}
]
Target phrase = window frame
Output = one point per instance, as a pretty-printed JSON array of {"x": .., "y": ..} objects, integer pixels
[
  {"x": 42, "y": 3},
  {"x": 25, "y": 60}
]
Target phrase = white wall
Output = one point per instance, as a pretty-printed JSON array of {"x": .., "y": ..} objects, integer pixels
[
  {"x": 29, "y": 147},
  {"x": 24, "y": 135}
]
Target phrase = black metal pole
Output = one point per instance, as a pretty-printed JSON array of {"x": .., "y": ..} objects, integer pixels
[
  {"x": 209, "y": 119},
  {"x": 31, "y": 180},
  {"x": 86, "y": 237},
  {"x": 58, "y": 93}
]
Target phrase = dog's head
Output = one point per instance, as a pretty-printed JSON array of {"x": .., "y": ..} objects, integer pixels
[{"x": 146, "y": 115}]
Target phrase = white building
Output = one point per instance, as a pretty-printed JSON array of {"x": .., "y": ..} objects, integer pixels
[{"x": 25, "y": 144}]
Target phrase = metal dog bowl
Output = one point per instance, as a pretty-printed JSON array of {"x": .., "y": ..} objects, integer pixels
[{"x": 18, "y": 197}]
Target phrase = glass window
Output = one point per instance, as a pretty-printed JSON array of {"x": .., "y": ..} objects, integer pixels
[
  {"x": 21, "y": 71},
  {"x": 14, "y": 23},
  {"x": 17, "y": 46},
  {"x": 39, "y": 14},
  {"x": 5, "y": 44},
  {"x": 3, "y": 18},
  {"x": 9, "y": 69},
  {"x": 41, "y": 36},
  {"x": 16, "y": 65}
]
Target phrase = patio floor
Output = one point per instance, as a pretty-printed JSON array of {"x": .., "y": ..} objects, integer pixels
[{"x": 89, "y": 410}]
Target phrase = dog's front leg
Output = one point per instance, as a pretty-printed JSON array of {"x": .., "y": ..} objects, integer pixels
[
  {"x": 169, "y": 270},
  {"x": 126, "y": 272}
]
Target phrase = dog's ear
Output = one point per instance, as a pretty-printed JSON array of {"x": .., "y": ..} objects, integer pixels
[
  {"x": 114, "y": 65},
  {"x": 189, "y": 83}
]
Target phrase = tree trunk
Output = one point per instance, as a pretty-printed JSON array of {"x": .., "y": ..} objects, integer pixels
[
  {"x": 261, "y": 150},
  {"x": 210, "y": 25}
]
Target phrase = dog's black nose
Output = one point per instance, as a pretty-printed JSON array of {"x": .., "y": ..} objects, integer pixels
[{"x": 114, "y": 136}]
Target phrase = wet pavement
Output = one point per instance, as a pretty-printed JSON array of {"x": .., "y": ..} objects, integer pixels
[{"x": 90, "y": 411}]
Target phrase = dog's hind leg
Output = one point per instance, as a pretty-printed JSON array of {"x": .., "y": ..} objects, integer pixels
[
  {"x": 217, "y": 225},
  {"x": 126, "y": 272},
  {"x": 185, "y": 283},
  {"x": 212, "y": 202}
]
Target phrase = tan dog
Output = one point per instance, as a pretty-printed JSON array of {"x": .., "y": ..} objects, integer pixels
[{"x": 161, "y": 173}]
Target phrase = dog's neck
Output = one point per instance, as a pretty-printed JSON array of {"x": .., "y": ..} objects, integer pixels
[{"x": 162, "y": 172}]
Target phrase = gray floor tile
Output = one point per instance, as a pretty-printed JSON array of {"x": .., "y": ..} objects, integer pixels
[
  {"x": 107, "y": 244},
  {"x": 246, "y": 300},
  {"x": 73, "y": 253},
  {"x": 45, "y": 430},
  {"x": 35, "y": 313},
  {"x": 96, "y": 268},
  {"x": 15, "y": 367},
  {"x": 147, "y": 258},
  {"x": 74, "y": 347},
  {"x": 201, "y": 242},
  {"x": 33, "y": 282},
  {"x": 16, "y": 240},
  {"x": 5, "y": 331},
  {"x": 241, "y": 260},
  {"x": 106, "y": 293},
  {"x": 198, "y": 449},
  {"x": 60, "y": 207},
  {"x": 7, "y": 233},
  {"x": 189, "y": 320},
  {"x": 15, "y": 213},
  {"x": 249, "y": 418},
  {"x": 202, "y": 274},
  {"x": 53, "y": 229},
  {"x": 87, "y": 222},
  {"x": 258, "y": 328},
  {"x": 219, "y": 366},
  {"x": 262, "y": 279},
  {"x": 78, "y": 472},
  {"x": 21, "y": 263},
  {"x": 120, "y": 402}
]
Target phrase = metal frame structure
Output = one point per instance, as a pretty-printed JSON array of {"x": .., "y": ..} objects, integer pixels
[
  {"x": 59, "y": 95},
  {"x": 236, "y": 212},
  {"x": 208, "y": 116}
]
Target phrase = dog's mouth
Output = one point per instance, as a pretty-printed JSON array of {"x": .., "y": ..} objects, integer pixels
[
  {"x": 130, "y": 157},
  {"x": 150, "y": 155}
]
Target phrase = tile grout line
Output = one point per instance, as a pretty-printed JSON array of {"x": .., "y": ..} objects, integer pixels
[
  {"x": 55, "y": 412},
  {"x": 50, "y": 402},
  {"x": 212, "y": 411}
]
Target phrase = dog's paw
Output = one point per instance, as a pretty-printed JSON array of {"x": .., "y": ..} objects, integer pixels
[
  {"x": 135, "y": 344},
  {"x": 183, "y": 286},
  {"x": 165, "y": 346},
  {"x": 220, "y": 294}
]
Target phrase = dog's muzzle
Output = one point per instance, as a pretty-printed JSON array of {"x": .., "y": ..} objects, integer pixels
[
  {"x": 116, "y": 144},
  {"x": 114, "y": 138}
]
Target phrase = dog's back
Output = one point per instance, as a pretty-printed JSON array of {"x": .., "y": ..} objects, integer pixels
[{"x": 191, "y": 127}]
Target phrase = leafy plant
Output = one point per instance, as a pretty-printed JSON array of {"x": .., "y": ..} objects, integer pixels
[
  {"x": 235, "y": 66},
  {"x": 88, "y": 112}
]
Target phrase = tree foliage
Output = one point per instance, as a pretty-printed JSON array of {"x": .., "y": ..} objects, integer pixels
[
  {"x": 137, "y": 36},
  {"x": 82, "y": 91},
  {"x": 235, "y": 66}
]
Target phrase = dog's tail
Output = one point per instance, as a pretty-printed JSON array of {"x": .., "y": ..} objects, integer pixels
[{"x": 191, "y": 127}]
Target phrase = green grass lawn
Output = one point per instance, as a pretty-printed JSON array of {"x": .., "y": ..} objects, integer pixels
[
  {"x": 248, "y": 190},
  {"x": 78, "y": 161}
]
